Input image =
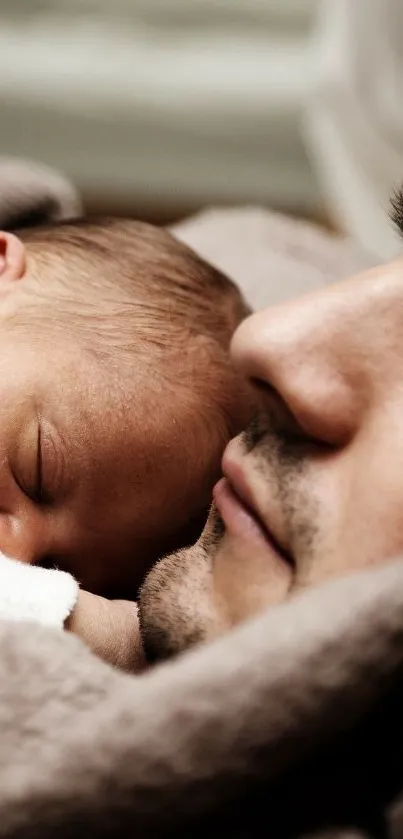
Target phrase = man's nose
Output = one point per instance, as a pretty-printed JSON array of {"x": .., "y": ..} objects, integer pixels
[{"x": 305, "y": 351}]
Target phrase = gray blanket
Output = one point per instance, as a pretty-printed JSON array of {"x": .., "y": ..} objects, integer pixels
[{"x": 288, "y": 726}]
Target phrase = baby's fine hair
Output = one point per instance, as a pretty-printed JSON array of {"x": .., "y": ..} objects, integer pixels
[
  {"x": 144, "y": 306},
  {"x": 122, "y": 283}
]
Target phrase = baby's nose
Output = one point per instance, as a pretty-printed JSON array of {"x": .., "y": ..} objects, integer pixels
[{"x": 311, "y": 352}]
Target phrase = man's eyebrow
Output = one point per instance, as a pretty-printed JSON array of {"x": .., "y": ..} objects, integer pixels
[{"x": 396, "y": 209}]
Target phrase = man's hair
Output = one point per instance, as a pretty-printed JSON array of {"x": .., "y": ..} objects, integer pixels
[{"x": 396, "y": 209}]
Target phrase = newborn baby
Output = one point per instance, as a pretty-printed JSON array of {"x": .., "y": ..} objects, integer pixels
[{"x": 117, "y": 397}]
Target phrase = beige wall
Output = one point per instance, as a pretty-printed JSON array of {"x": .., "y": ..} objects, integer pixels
[{"x": 162, "y": 101}]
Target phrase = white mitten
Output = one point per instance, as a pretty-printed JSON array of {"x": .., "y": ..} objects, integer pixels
[{"x": 43, "y": 595}]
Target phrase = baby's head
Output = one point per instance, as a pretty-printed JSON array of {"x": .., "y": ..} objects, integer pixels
[{"x": 116, "y": 396}]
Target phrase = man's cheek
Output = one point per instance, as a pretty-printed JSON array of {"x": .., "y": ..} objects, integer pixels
[{"x": 247, "y": 579}]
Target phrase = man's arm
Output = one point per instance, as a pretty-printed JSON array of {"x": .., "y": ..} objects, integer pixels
[{"x": 88, "y": 750}]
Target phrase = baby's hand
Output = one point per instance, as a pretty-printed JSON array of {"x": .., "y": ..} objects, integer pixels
[
  {"x": 110, "y": 628},
  {"x": 52, "y": 598}
]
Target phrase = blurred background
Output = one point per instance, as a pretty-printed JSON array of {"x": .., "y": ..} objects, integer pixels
[{"x": 157, "y": 108}]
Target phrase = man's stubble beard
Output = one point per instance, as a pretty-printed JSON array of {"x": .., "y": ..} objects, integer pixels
[{"x": 177, "y": 605}]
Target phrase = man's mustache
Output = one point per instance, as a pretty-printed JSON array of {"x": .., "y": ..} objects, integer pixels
[
  {"x": 261, "y": 427},
  {"x": 282, "y": 463},
  {"x": 275, "y": 448}
]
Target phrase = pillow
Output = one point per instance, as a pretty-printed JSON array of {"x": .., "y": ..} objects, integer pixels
[{"x": 271, "y": 257}]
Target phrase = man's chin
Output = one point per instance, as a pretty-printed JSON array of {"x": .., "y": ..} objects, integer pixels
[{"x": 176, "y": 605}]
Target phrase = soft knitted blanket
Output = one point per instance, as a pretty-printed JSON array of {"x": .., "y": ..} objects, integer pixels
[{"x": 290, "y": 726}]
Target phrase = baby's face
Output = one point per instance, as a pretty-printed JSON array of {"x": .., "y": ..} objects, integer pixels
[{"x": 95, "y": 485}]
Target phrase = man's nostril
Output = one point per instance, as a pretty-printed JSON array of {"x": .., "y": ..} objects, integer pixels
[
  {"x": 276, "y": 416},
  {"x": 276, "y": 408},
  {"x": 264, "y": 391}
]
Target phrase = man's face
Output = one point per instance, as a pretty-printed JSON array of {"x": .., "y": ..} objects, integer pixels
[{"x": 314, "y": 488}]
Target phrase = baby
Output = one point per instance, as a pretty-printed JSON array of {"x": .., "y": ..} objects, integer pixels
[{"x": 116, "y": 397}]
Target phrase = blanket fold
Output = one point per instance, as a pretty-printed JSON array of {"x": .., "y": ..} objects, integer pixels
[{"x": 291, "y": 723}]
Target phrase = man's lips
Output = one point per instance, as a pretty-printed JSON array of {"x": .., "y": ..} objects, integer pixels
[{"x": 242, "y": 521}]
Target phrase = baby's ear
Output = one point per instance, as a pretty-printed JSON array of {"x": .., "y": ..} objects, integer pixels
[{"x": 12, "y": 257}]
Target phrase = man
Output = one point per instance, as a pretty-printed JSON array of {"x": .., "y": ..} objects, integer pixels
[{"x": 313, "y": 488}]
